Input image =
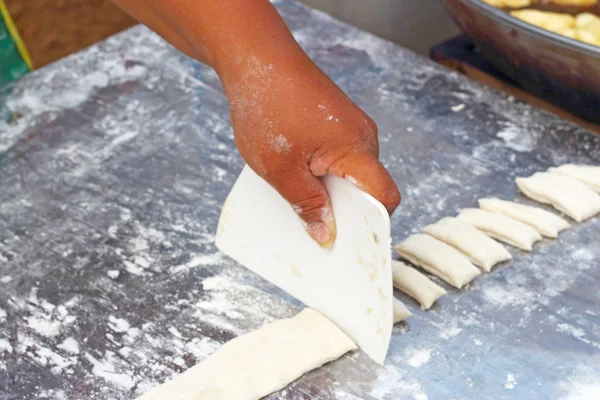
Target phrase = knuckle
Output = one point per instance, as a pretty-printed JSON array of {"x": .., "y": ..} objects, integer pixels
[
  {"x": 391, "y": 199},
  {"x": 370, "y": 126},
  {"x": 311, "y": 208},
  {"x": 368, "y": 134}
]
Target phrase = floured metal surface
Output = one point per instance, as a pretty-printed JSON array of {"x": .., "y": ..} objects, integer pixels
[{"x": 113, "y": 167}]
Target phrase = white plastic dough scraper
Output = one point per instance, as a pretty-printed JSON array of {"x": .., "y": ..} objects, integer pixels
[{"x": 351, "y": 283}]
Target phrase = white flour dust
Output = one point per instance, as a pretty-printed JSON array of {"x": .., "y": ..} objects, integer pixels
[
  {"x": 45, "y": 318},
  {"x": 197, "y": 260},
  {"x": 450, "y": 332},
  {"x": 219, "y": 301},
  {"x": 5, "y": 346},
  {"x": 458, "y": 107},
  {"x": 118, "y": 324},
  {"x": 55, "y": 95},
  {"x": 43, "y": 326},
  {"x": 44, "y": 356},
  {"x": 175, "y": 332},
  {"x": 113, "y": 273},
  {"x": 44, "y": 322},
  {"x": 583, "y": 384},
  {"x": 105, "y": 369},
  {"x": 280, "y": 144},
  {"x": 501, "y": 295},
  {"x": 570, "y": 330},
  {"x": 394, "y": 383},
  {"x": 518, "y": 139},
  {"x": 511, "y": 381},
  {"x": 576, "y": 333},
  {"x": 238, "y": 307},
  {"x": 583, "y": 254},
  {"x": 511, "y": 292},
  {"x": 417, "y": 357},
  {"x": 54, "y": 394},
  {"x": 69, "y": 345}
]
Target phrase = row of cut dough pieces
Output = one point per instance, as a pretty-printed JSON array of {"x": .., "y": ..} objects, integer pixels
[
  {"x": 445, "y": 251},
  {"x": 321, "y": 341},
  {"x": 450, "y": 247},
  {"x": 515, "y": 224},
  {"x": 435, "y": 254},
  {"x": 571, "y": 189}
]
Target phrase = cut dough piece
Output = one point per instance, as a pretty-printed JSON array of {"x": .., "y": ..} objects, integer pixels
[
  {"x": 501, "y": 227},
  {"x": 439, "y": 259},
  {"x": 543, "y": 221},
  {"x": 588, "y": 174},
  {"x": 251, "y": 366},
  {"x": 566, "y": 194},
  {"x": 476, "y": 245},
  {"x": 400, "y": 311},
  {"x": 415, "y": 284}
]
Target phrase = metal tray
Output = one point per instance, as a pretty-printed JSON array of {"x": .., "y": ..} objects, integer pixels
[{"x": 562, "y": 70}]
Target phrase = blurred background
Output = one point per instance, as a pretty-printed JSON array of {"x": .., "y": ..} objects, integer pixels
[
  {"x": 51, "y": 29},
  {"x": 34, "y": 33},
  {"x": 415, "y": 24}
]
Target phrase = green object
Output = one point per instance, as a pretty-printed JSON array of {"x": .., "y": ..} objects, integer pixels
[{"x": 12, "y": 65}]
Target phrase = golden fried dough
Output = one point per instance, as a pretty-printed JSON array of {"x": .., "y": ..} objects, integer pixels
[
  {"x": 570, "y": 33},
  {"x": 588, "y": 22},
  {"x": 575, "y": 3},
  {"x": 588, "y": 28},
  {"x": 508, "y": 3},
  {"x": 587, "y": 37},
  {"x": 554, "y": 22}
]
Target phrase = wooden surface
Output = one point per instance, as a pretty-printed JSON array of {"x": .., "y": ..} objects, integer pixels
[
  {"x": 52, "y": 29},
  {"x": 460, "y": 54}
]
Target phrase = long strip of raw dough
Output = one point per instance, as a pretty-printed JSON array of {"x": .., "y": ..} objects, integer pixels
[
  {"x": 476, "y": 245},
  {"x": 588, "y": 174},
  {"x": 501, "y": 227},
  {"x": 439, "y": 259},
  {"x": 415, "y": 284},
  {"x": 566, "y": 194},
  {"x": 401, "y": 312},
  {"x": 545, "y": 222},
  {"x": 251, "y": 366}
]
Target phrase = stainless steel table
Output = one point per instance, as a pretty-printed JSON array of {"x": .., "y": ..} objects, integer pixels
[{"x": 113, "y": 166}]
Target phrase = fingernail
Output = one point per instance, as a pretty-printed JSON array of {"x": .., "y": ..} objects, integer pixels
[
  {"x": 329, "y": 221},
  {"x": 319, "y": 232}
]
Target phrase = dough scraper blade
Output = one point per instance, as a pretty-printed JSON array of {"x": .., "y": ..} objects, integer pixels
[{"x": 351, "y": 283}]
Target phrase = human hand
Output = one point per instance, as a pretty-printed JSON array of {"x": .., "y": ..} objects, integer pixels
[{"x": 293, "y": 125}]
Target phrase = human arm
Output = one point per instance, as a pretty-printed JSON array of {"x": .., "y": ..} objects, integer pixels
[{"x": 292, "y": 124}]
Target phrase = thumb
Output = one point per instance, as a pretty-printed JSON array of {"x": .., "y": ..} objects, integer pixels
[
  {"x": 366, "y": 172},
  {"x": 308, "y": 196}
]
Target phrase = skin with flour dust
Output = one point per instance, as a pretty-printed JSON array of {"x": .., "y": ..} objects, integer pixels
[{"x": 292, "y": 124}]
